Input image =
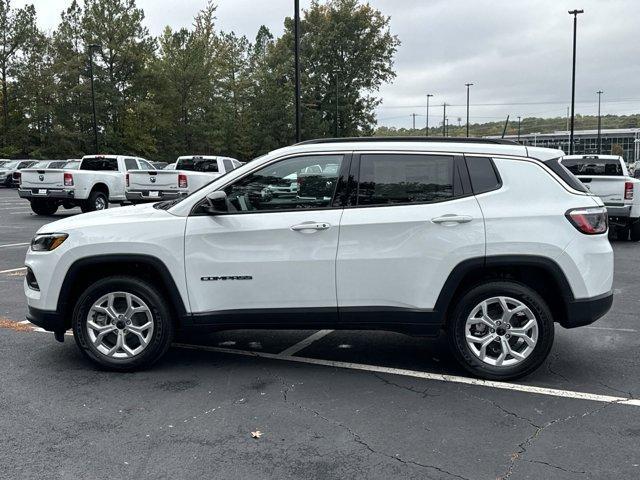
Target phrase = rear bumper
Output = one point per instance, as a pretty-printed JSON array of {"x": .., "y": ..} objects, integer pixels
[
  {"x": 47, "y": 320},
  {"x": 143, "y": 195},
  {"x": 51, "y": 193},
  {"x": 586, "y": 311},
  {"x": 619, "y": 211}
]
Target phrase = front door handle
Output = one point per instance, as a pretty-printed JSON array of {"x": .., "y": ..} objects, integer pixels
[
  {"x": 311, "y": 226},
  {"x": 452, "y": 219}
]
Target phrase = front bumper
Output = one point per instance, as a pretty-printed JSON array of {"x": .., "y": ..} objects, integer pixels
[
  {"x": 47, "y": 320},
  {"x": 31, "y": 193},
  {"x": 145, "y": 195},
  {"x": 586, "y": 311}
]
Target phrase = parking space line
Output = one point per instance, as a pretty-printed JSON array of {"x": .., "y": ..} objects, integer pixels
[
  {"x": 305, "y": 342},
  {"x": 631, "y": 330},
  {"x": 14, "y": 245},
  {"x": 553, "y": 392},
  {"x": 11, "y": 270}
]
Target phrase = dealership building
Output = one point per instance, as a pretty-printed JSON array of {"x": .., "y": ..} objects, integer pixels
[{"x": 586, "y": 141}]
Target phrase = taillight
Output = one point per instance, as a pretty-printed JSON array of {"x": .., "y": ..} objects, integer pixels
[
  {"x": 126, "y": 179},
  {"x": 590, "y": 221},
  {"x": 68, "y": 180},
  {"x": 182, "y": 180},
  {"x": 628, "y": 191}
]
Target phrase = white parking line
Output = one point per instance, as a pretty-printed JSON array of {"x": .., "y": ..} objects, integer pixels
[
  {"x": 13, "y": 270},
  {"x": 305, "y": 343},
  {"x": 14, "y": 245},
  {"x": 631, "y": 330},
  {"x": 15, "y": 208},
  {"x": 553, "y": 392}
]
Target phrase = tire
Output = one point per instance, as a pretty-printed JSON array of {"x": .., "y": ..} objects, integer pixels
[
  {"x": 622, "y": 233},
  {"x": 105, "y": 351},
  {"x": 635, "y": 231},
  {"x": 97, "y": 201},
  {"x": 40, "y": 207},
  {"x": 534, "y": 355}
]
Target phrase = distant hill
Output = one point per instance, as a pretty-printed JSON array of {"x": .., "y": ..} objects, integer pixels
[{"x": 528, "y": 125}]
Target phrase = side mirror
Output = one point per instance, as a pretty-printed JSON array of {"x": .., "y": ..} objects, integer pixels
[{"x": 217, "y": 203}]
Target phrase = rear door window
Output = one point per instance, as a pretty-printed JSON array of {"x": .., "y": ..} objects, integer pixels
[
  {"x": 228, "y": 165},
  {"x": 130, "y": 164},
  {"x": 401, "y": 179}
]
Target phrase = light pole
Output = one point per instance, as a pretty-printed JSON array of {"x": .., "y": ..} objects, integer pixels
[
  {"x": 468, "y": 85},
  {"x": 599, "y": 92},
  {"x": 519, "y": 121},
  {"x": 93, "y": 47},
  {"x": 337, "y": 71},
  {"x": 413, "y": 115},
  {"x": 296, "y": 54},
  {"x": 575, "y": 14},
  {"x": 426, "y": 132},
  {"x": 444, "y": 118}
]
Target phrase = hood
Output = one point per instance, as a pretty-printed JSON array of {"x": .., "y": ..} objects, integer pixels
[{"x": 111, "y": 216}]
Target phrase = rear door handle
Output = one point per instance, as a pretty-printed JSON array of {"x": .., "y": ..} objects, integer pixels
[
  {"x": 311, "y": 226},
  {"x": 452, "y": 219}
]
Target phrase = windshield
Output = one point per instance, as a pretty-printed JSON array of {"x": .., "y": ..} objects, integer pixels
[
  {"x": 209, "y": 165},
  {"x": 594, "y": 166},
  {"x": 10, "y": 165}
]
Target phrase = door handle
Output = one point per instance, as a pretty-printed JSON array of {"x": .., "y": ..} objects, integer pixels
[
  {"x": 452, "y": 219},
  {"x": 311, "y": 226}
]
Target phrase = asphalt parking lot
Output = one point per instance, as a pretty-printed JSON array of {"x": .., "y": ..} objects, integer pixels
[{"x": 329, "y": 404}]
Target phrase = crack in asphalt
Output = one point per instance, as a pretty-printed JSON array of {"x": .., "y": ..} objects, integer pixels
[
  {"x": 355, "y": 436},
  {"x": 504, "y": 410},
  {"x": 423, "y": 393},
  {"x": 577, "y": 472},
  {"x": 613, "y": 389},
  {"x": 550, "y": 369},
  {"x": 524, "y": 445}
]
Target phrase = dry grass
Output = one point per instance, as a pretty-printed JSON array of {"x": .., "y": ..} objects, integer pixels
[{"x": 12, "y": 325}]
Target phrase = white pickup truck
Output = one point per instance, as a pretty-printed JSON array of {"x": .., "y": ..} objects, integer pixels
[
  {"x": 607, "y": 177},
  {"x": 190, "y": 173},
  {"x": 98, "y": 181}
]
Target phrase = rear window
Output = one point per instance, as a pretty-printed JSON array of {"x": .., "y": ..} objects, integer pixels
[
  {"x": 99, "y": 164},
  {"x": 198, "y": 165},
  {"x": 594, "y": 166}
]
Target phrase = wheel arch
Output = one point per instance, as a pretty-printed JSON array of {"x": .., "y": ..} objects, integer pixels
[
  {"x": 101, "y": 187},
  {"x": 542, "y": 274},
  {"x": 85, "y": 271}
]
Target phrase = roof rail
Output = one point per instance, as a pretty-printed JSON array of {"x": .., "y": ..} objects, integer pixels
[{"x": 494, "y": 141}]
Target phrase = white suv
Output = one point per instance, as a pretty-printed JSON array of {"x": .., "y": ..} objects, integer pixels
[{"x": 489, "y": 240}]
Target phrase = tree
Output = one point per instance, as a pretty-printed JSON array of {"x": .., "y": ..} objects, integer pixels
[{"x": 17, "y": 28}]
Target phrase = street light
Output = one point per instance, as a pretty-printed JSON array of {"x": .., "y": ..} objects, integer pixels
[
  {"x": 468, "y": 85},
  {"x": 519, "y": 121},
  {"x": 444, "y": 117},
  {"x": 426, "y": 132},
  {"x": 575, "y": 14},
  {"x": 92, "y": 48},
  {"x": 296, "y": 54},
  {"x": 599, "y": 92}
]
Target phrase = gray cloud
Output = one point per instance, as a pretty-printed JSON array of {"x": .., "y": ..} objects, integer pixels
[{"x": 513, "y": 51}]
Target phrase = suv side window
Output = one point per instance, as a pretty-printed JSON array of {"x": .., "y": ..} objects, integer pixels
[
  {"x": 304, "y": 182},
  {"x": 228, "y": 165},
  {"x": 484, "y": 177},
  {"x": 391, "y": 179},
  {"x": 130, "y": 164}
]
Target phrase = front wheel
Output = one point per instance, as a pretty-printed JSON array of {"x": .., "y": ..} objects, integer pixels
[
  {"x": 501, "y": 330},
  {"x": 122, "y": 323}
]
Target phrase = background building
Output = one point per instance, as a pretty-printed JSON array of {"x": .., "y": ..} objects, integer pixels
[{"x": 586, "y": 141}]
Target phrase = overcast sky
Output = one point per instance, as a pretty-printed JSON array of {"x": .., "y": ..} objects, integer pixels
[{"x": 515, "y": 52}]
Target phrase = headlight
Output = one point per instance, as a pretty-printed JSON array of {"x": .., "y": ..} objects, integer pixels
[{"x": 46, "y": 242}]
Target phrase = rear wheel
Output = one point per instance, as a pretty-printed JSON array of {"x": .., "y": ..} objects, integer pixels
[
  {"x": 501, "y": 330},
  {"x": 122, "y": 323},
  {"x": 635, "y": 231},
  {"x": 42, "y": 207},
  {"x": 97, "y": 201}
]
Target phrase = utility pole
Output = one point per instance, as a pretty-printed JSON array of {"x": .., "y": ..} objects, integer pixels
[
  {"x": 426, "y": 132},
  {"x": 296, "y": 35},
  {"x": 575, "y": 14},
  {"x": 414, "y": 120},
  {"x": 468, "y": 85},
  {"x": 599, "y": 92},
  {"x": 444, "y": 119},
  {"x": 93, "y": 47},
  {"x": 447, "y": 129},
  {"x": 519, "y": 121},
  {"x": 337, "y": 71}
]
